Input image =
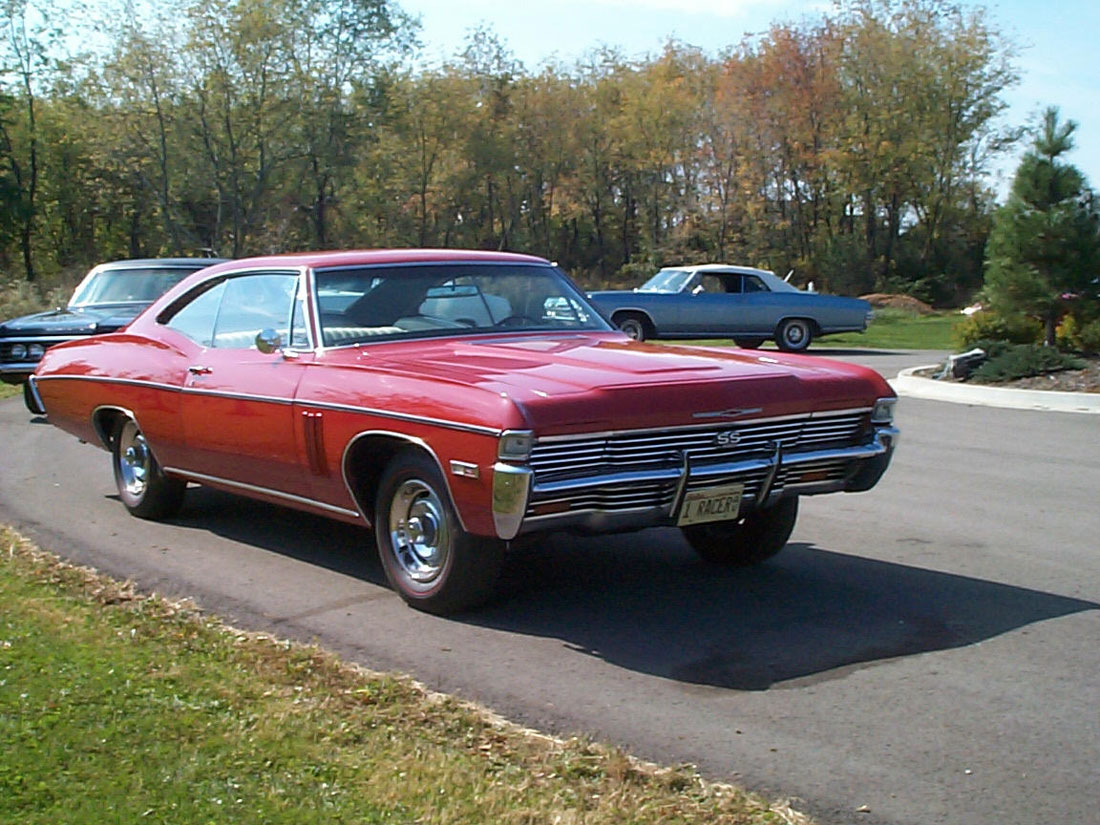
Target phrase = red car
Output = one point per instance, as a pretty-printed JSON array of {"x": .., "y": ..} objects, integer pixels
[{"x": 455, "y": 401}]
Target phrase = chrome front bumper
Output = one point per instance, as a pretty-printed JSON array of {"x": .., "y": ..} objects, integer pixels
[{"x": 522, "y": 504}]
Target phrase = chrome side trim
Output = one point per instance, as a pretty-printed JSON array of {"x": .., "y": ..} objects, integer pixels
[
  {"x": 494, "y": 432},
  {"x": 201, "y": 478},
  {"x": 105, "y": 379},
  {"x": 105, "y": 437},
  {"x": 322, "y": 405},
  {"x": 364, "y": 512}
]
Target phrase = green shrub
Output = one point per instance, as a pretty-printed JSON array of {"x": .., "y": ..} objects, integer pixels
[
  {"x": 1008, "y": 362},
  {"x": 1080, "y": 329},
  {"x": 990, "y": 326},
  {"x": 1088, "y": 338}
]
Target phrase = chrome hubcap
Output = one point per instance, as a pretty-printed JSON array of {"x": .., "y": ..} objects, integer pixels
[
  {"x": 418, "y": 529},
  {"x": 134, "y": 460}
]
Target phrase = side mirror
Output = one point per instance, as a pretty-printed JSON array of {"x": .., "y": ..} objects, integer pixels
[{"x": 268, "y": 341}]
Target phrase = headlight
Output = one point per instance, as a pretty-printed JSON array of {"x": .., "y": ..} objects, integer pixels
[
  {"x": 883, "y": 411},
  {"x": 18, "y": 352},
  {"x": 515, "y": 445},
  {"x": 36, "y": 351}
]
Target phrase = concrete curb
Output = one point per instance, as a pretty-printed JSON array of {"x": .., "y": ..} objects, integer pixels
[{"x": 915, "y": 386}]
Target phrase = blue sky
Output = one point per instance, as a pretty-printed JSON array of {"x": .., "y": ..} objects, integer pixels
[{"x": 1058, "y": 61}]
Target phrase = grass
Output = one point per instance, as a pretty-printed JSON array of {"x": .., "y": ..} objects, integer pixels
[
  {"x": 891, "y": 329},
  {"x": 117, "y": 706},
  {"x": 900, "y": 329},
  {"x": 8, "y": 390}
]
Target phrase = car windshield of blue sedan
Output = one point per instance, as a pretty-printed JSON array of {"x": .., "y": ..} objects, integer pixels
[
  {"x": 126, "y": 286},
  {"x": 382, "y": 303}
]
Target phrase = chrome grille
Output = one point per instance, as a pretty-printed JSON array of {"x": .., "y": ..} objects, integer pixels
[
  {"x": 616, "y": 454},
  {"x": 625, "y": 450}
]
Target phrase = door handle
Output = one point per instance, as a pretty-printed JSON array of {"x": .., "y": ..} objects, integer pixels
[{"x": 196, "y": 369}]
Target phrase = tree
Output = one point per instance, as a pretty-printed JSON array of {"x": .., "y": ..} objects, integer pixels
[{"x": 1044, "y": 243}]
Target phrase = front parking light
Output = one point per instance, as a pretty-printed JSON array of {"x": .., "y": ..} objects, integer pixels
[
  {"x": 883, "y": 411},
  {"x": 515, "y": 445}
]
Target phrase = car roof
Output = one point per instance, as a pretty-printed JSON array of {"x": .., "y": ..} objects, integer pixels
[
  {"x": 731, "y": 268},
  {"x": 369, "y": 257},
  {"x": 143, "y": 263}
]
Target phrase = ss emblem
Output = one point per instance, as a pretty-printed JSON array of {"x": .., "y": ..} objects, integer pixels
[{"x": 728, "y": 438}]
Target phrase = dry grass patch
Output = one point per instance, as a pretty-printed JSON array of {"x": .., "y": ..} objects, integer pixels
[{"x": 126, "y": 706}]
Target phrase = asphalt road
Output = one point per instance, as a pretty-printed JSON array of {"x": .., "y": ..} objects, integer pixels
[{"x": 929, "y": 650}]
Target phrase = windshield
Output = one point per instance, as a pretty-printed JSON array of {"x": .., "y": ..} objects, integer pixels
[
  {"x": 382, "y": 303},
  {"x": 667, "y": 280},
  {"x": 126, "y": 286}
]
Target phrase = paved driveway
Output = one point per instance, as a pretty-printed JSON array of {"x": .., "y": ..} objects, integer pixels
[{"x": 928, "y": 650}]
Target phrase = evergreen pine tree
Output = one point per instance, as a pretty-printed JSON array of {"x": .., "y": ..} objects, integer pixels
[{"x": 1044, "y": 243}]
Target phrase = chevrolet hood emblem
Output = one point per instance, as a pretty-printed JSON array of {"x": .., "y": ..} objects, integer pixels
[{"x": 731, "y": 413}]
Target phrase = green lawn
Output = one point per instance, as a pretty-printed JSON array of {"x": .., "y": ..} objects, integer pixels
[
  {"x": 891, "y": 329},
  {"x": 898, "y": 329},
  {"x": 117, "y": 707},
  {"x": 8, "y": 390}
]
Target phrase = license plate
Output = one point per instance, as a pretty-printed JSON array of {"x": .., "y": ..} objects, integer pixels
[{"x": 711, "y": 504}]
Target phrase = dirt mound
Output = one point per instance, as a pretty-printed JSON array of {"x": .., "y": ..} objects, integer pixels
[{"x": 908, "y": 302}]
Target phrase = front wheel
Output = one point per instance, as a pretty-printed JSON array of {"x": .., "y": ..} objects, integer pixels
[
  {"x": 144, "y": 489},
  {"x": 794, "y": 335},
  {"x": 748, "y": 540},
  {"x": 433, "y": 564}
]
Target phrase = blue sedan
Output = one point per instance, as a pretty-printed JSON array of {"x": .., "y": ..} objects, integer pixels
[{"x": 739, "y": 302}]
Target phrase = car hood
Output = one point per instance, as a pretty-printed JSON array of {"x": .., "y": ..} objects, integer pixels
[
  {"x": 80, "y": 321},
  {"x": 575, "y": 383}
]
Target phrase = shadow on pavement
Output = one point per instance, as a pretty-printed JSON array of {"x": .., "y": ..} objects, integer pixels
[{"x": 646, "y": 603}]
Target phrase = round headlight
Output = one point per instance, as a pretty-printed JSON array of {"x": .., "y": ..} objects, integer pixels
[
  {"x": 36, "y": 351},
  {"x": 18, "y": 352}
]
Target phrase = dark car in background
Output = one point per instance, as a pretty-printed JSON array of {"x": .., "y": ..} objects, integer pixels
[
  {"x": 107, "y": 299},
  {"x": 722, "y": 301}
]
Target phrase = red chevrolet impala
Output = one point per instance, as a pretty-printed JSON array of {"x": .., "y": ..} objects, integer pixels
[{"x": 454, "y": 401}]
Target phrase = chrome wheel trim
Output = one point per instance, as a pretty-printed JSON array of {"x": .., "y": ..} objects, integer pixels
[
  {"x": 420, "y": 537},
  {"x": 795, "y": 333},
  {"x": 134, "y": 460},
  {"x": 633, "y": 328}
]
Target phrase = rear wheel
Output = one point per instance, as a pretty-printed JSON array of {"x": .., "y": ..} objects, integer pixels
[
  {"x": 143, "y": 488},
  {"x": 632, "y": 325},
  {"x": 748, "y": 343},
  {"x": 747, "y": 541},
  {"x": 794, "y": 335},
  {"x": 429, "y": 559}
]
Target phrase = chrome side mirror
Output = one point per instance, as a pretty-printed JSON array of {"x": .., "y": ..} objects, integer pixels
[{"x": 268, "y": 341}]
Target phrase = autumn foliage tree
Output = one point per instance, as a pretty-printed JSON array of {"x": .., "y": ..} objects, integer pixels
[{"x": 852, "y": 148}]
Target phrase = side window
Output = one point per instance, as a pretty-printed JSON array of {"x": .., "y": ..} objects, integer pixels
[
  {"x": 299, "y": 335},
  {"x": 754, "y": 284},
  {"x": 197, "y": 318},
  {"x": 232, "y": 313},
  {"x": 712, "y": 285},
  {"x": 252, "y": 303}
]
